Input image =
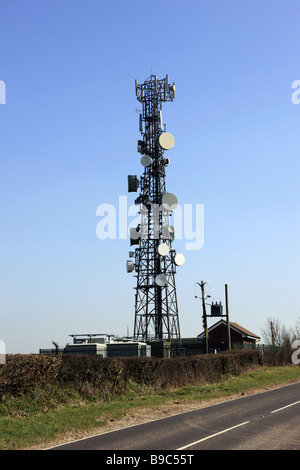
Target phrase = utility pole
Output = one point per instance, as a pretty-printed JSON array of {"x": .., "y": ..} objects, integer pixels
[
  {"x": 204, "y": 315},
  {"x": 227, "y": 318}
]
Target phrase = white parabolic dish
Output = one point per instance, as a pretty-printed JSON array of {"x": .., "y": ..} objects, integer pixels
[
  {"x": 166, "y": 140},
  {"x": 146, "y": 160},
  {"x": 163, "y": 249},
  {"x": 169, "y": 202},
  {"x": 160, "y": 280},
  {"x": 179, "y": 259}
]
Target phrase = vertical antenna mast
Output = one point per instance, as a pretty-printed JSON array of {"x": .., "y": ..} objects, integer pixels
[{"x": 155, "y": 261}]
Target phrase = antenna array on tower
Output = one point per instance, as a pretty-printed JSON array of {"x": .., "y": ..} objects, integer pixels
[{"x": 155, "y": 261}]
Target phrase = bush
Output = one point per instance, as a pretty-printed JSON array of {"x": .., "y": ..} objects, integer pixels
[{"x": 105, "y": 377}]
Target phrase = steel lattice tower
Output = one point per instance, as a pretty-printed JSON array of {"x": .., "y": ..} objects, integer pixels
[{"x": 155, "y": 261}]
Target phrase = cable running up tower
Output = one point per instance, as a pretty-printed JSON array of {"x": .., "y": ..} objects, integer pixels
[{"x": 154, "y": 260}]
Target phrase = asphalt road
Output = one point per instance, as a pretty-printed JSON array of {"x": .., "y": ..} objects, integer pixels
[{"x": 264, "y": 421}]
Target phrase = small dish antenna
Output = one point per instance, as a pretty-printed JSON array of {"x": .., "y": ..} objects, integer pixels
[
  {"x": 146, "y": 160},
  {"x": 163, "y": 249},
  {"x": 160, "y": 280},
  {"x": 129, "y": 266},
  {"x": 166, "y": 140},
  {"x": 169, "y": 202},
  {"x": 179, "y": 259}
]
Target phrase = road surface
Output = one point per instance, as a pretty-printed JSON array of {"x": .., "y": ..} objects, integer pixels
[{"x": 264, "y": 421}]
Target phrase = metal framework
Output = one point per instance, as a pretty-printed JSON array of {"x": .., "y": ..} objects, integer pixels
[{"x": 156, "y": 309}]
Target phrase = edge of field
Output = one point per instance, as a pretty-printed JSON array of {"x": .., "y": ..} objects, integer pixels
[{"x": 78, "y": 421}]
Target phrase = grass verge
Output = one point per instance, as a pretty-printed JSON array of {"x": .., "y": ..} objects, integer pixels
[{"x": 78, "y": 417}]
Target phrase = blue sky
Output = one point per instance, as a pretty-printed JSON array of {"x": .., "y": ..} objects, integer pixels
[{"x": 68, "y": 138}]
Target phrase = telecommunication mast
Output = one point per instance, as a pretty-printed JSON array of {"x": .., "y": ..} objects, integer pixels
[{"x": 153, "y": 260}]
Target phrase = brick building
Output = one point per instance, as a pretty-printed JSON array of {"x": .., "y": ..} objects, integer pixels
[{"x": 241, "y": 338}]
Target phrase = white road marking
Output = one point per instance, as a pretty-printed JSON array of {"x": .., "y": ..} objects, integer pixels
[
  {"x": 287, "y": 406},
  {"x": 213, "y": 435}
]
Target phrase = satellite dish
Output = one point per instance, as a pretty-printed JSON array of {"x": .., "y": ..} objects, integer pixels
[
  {"x": 163, "y": 249},
  {"x": 160, "y": 280},
  {"x": 166, "y": 140},
  {"x": 129, "y": 266},
  {"x": 179, "y": 259},
  {"x": 146, "y": 160},
  {"x": 134, "y": 236},
  {"x": 169, "y": 202}
]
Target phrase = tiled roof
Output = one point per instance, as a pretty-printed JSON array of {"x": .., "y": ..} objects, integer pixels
[
  {"x": 234, "y": 325},
  {"x": 243, "y": 330}
]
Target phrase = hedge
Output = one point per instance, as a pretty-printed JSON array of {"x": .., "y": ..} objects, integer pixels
[{"x": 103, "y": 377}]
